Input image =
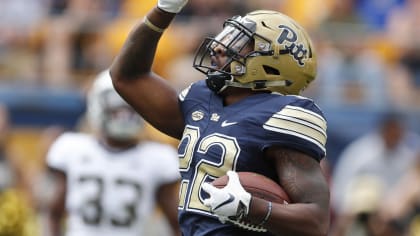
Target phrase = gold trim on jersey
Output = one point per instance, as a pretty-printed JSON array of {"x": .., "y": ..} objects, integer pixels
[{"x": 299, "y": 122}]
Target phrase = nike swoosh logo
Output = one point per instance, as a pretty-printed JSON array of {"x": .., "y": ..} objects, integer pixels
[
  {"x": 225, "y": 123},
  {"x": 229, "y": 200}
]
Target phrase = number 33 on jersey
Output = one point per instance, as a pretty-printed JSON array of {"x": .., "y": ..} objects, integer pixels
[{"x": 110, "y": 191}]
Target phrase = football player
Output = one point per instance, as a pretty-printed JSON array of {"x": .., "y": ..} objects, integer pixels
[
  {"x": 245, "y": 115},
  {"x": 109, "y": 182}
]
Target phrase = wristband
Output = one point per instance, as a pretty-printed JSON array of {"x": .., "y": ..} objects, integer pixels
[
  {"x": 151, "y": 26},
  {"x": 270, "y": 207}
]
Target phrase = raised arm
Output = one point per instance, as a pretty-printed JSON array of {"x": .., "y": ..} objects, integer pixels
[{"x": 150, "y": 95}]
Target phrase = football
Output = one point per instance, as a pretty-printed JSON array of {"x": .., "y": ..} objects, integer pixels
[{"x": 257, "y": 185}]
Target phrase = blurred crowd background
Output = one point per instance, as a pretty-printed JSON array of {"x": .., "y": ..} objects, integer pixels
[{"x": 368, "y": 83}]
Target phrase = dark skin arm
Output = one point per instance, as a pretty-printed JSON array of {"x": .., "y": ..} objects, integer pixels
[
  {"x": 150, "y": 95},
  {"x": 57, "y": 206},
  {"x": 167, "y": 198},
  {"x": 306, "y": 186}
]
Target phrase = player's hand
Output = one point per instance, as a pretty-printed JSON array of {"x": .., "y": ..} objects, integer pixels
[
  {"x": 230, "y": 202},
  {"x": 172, "y": 6}
]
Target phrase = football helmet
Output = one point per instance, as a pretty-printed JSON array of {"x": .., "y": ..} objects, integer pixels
[
  {"x": 108, "y": 113},
  {"x": 280, "y": 58}
]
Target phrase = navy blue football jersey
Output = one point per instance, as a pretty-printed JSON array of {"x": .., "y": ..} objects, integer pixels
[{"x": 219, "y": 138}]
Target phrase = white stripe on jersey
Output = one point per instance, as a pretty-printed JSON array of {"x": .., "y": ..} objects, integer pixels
[
  {"x": 184, "y": 93},
  {"x": 299, "y": 122}
]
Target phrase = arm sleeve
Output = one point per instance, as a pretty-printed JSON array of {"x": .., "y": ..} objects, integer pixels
[
  {"x": 57, "y": 156},
  {"x": 169, "y": 164}
]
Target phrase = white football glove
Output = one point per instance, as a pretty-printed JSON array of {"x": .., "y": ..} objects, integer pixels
[
  {"x": 172, "y": 6},
  {"x": 230, "y": 202}
]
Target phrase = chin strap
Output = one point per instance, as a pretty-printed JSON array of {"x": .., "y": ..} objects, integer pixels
[{"x": 218, "y": 81}]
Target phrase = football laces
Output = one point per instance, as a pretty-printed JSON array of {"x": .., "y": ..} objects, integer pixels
[{"x": 247, "y": 226}]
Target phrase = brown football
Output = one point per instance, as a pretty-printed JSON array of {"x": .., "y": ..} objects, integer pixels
[{"x": 257, "y": 185}]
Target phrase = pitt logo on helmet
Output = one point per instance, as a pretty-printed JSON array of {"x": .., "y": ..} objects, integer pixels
[{"x": 296, "y": 50}]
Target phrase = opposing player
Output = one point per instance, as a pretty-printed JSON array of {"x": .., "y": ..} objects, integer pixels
[
  {"x": 109, "y": 182},
  {"x": 245, "y": 116}
]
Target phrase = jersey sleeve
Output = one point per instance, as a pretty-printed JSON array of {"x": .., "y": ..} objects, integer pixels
[
  {"x": 168, "y": 164},
  {"x": 300, "y": 125},
  {"x": 58, "y": 154}
]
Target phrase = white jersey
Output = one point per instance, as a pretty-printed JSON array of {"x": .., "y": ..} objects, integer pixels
[{"x": 110, "y": 192}]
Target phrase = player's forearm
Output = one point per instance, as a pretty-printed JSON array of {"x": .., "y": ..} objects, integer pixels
[
  {"x": 290, "y": 219},
  {"x": 168, "y": 201},
  {"x": 55, "y": 216},
  {"x": 136, "y": 56},
  {"x": 55, "y": 231},
  {"x": 54, "y": 226}
]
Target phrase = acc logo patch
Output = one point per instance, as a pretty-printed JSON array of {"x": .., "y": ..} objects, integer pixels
[
  {"x": 297, "y": 50},
  {"x": 197, "y": 115}
]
